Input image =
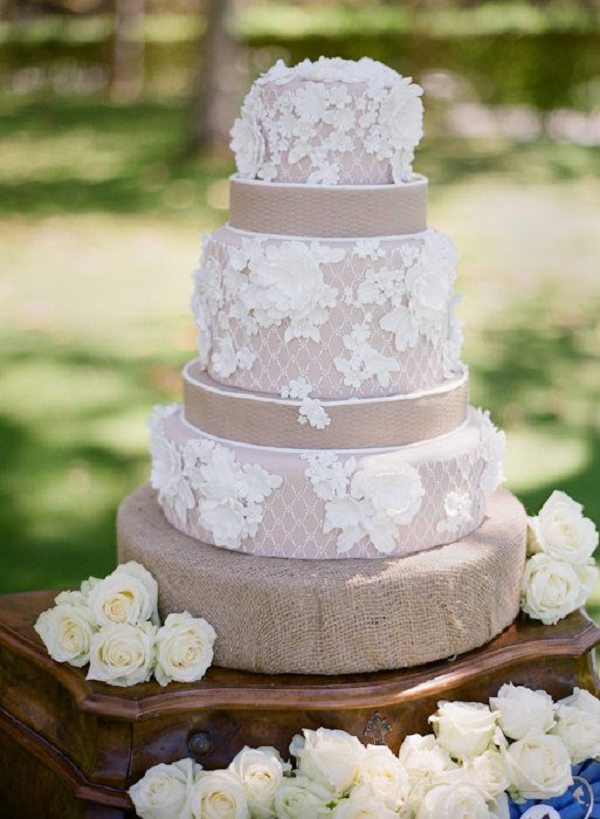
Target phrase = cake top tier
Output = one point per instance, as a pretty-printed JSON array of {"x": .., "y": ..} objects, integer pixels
[{"x": 329, "y": 122}]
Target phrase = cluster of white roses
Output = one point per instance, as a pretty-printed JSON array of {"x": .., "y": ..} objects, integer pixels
[
  {"x": 521, "y": 743},
  {"x": 113, "y": 625},
  {"x": 560, "y": 573},
  {"x": 365, "y": 107}
]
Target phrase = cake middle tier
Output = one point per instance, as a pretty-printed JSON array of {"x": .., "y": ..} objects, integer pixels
[
  {"x": 316, "y": 504},
  {"x": 345, "y": 317}
]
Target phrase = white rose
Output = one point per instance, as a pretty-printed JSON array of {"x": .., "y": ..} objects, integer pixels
[
  {"x": 260, "y": 771},
  {"x": 539, "y": 766},
  {"x": 163, "y": 792},
  {"x": 401, "y": 120},
  {"x": 385, "y": 775},
  {"x": 127, "y": 595},
  {"x": 425, "y": 761},
  {"x": 561, "y": 531},
  {"x": 464, "y": 729},
  {"x": 248, "y": 145},
  {"x": 578, "y": 725},
  {"x": 122, "y": 654},
  {"x": 329, "y": 757},
  {"x": 522, "y": 710},
  {"x": 550, "y": 589},
  {"x": 299, "y": 798},
  {"x": 218, "y": 795},
  {"x": 362, "y": 804},
  {"x": 184, "y": 649},
  {"x": 66, "y": 631},
  {"x": 453, "y": 801},
  {"x": 397, "y": 493},
  {"x": 486, "y": 772}
]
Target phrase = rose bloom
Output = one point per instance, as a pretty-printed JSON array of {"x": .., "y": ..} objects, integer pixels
[
  {"x": 122, "y": 654},
  {"x": 550, "y": 589},
  {"x": 385, "y": 776},
  {"x": 522, "y": 710},
  {"x": 218, "y": 795},
  {"x": 127, "y": 595},
  {"x": 453, "y": 802},
  {"x": 329, "y": 757},
  {"x": 362, "y": 804},
  {"x": 464, "y": 729},
  {"x": 184, "y": 649},
  {"x": 561, "y": 530},
  {"x": 248, "y": 145},
  {"x": 539, "y": 766},
  {"x": 164, "y": 791},
  {"x": 260, "y": 772},
  {"x": 578, "y": 725},
  {"x": 67, "y": 631},
  {"x": 298, "y": 798}
]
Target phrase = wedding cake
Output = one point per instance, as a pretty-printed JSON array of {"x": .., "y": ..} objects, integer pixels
[{"x": 325, "y": 496}]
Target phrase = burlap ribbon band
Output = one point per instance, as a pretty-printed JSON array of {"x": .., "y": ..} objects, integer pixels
[
  {"x": 266, "y": 420},
  {"x": 336, "y": 211}
]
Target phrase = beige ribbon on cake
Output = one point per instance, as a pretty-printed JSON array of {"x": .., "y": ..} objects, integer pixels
[
  {"x": 262, "y": 420},
  {"x": 336, "y": 211}
]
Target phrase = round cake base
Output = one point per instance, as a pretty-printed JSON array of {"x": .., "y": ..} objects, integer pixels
[{"x": 277, "y": 615}]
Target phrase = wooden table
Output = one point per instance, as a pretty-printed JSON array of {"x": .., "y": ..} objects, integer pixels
[{"x": 70, "y": 748}]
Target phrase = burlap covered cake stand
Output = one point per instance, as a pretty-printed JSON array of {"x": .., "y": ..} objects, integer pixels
[{"x": 278, "y": 616}]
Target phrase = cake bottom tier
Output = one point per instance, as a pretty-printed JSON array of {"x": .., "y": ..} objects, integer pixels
[{"x": 276, "y": 616}]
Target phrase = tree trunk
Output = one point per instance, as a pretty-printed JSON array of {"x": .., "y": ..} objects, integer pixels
[
  {"x": 216, "y": 96},
  {"x": 127, "y": 80}
]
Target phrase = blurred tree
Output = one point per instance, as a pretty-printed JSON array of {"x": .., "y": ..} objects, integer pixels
[
  {"x": 218, "y": 80},
  {"x": 127, "y": 78}
]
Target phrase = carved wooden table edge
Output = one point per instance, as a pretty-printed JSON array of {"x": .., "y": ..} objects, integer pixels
[{"x": 524, "y": 640}]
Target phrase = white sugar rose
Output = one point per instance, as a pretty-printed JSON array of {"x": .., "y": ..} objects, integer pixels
[
  {"x": 464, "y": 729},
  {"x": 396, "y": 493},
  {"x": 260, "y": 771},
  {"x": 127, "y": 595},
  {"x": 122, "y": 654},
  {"x": 286, "y": 282},
  {"x": 299, "y": 798},
  {"x": 401, "y": 121},
  {"x": 184, "y": 649},
  {"x": 329, "y": 757},
  {"x": 164, "y": 791},
  {"x": 225, "y": 520},
  {"x": 248, "y": 146},
  {"x": 362, "y": 804},
  {"x": 539, "y": 766},
  {"x": 561, "y": 531},
  {"x": 521, "y": 710},
  {"x": 578, "y": 725},
  {"x": 218, "y": 795},
  {"x": 453, "y": 801},
  {"x": 386, "y": 777},
  {"x": 67, "y": 632},
  {"x": 550, "y": 589}
]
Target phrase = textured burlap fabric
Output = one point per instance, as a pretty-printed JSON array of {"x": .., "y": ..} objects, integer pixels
[
  {"x": 276, "y": 615},
  {"x": 328, "y": 210}
]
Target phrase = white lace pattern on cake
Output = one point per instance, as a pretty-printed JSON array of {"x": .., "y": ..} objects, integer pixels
[
  {"x": 355, "y": 318},
  {"x": 204, "y": 476},
  {"x": 330, "y": 122}
]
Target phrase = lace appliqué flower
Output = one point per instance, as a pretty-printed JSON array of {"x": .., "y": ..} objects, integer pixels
[
  {"x": 205, "y": 475},
  {"x": 493, "y": 446},
  {"x": 363, "y": 503},
  {"x": 311, "y": 410},
  {"x": 458, "y": 507}
]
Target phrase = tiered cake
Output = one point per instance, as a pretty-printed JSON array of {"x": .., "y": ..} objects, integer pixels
[{"x": 327, "y": 414}]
